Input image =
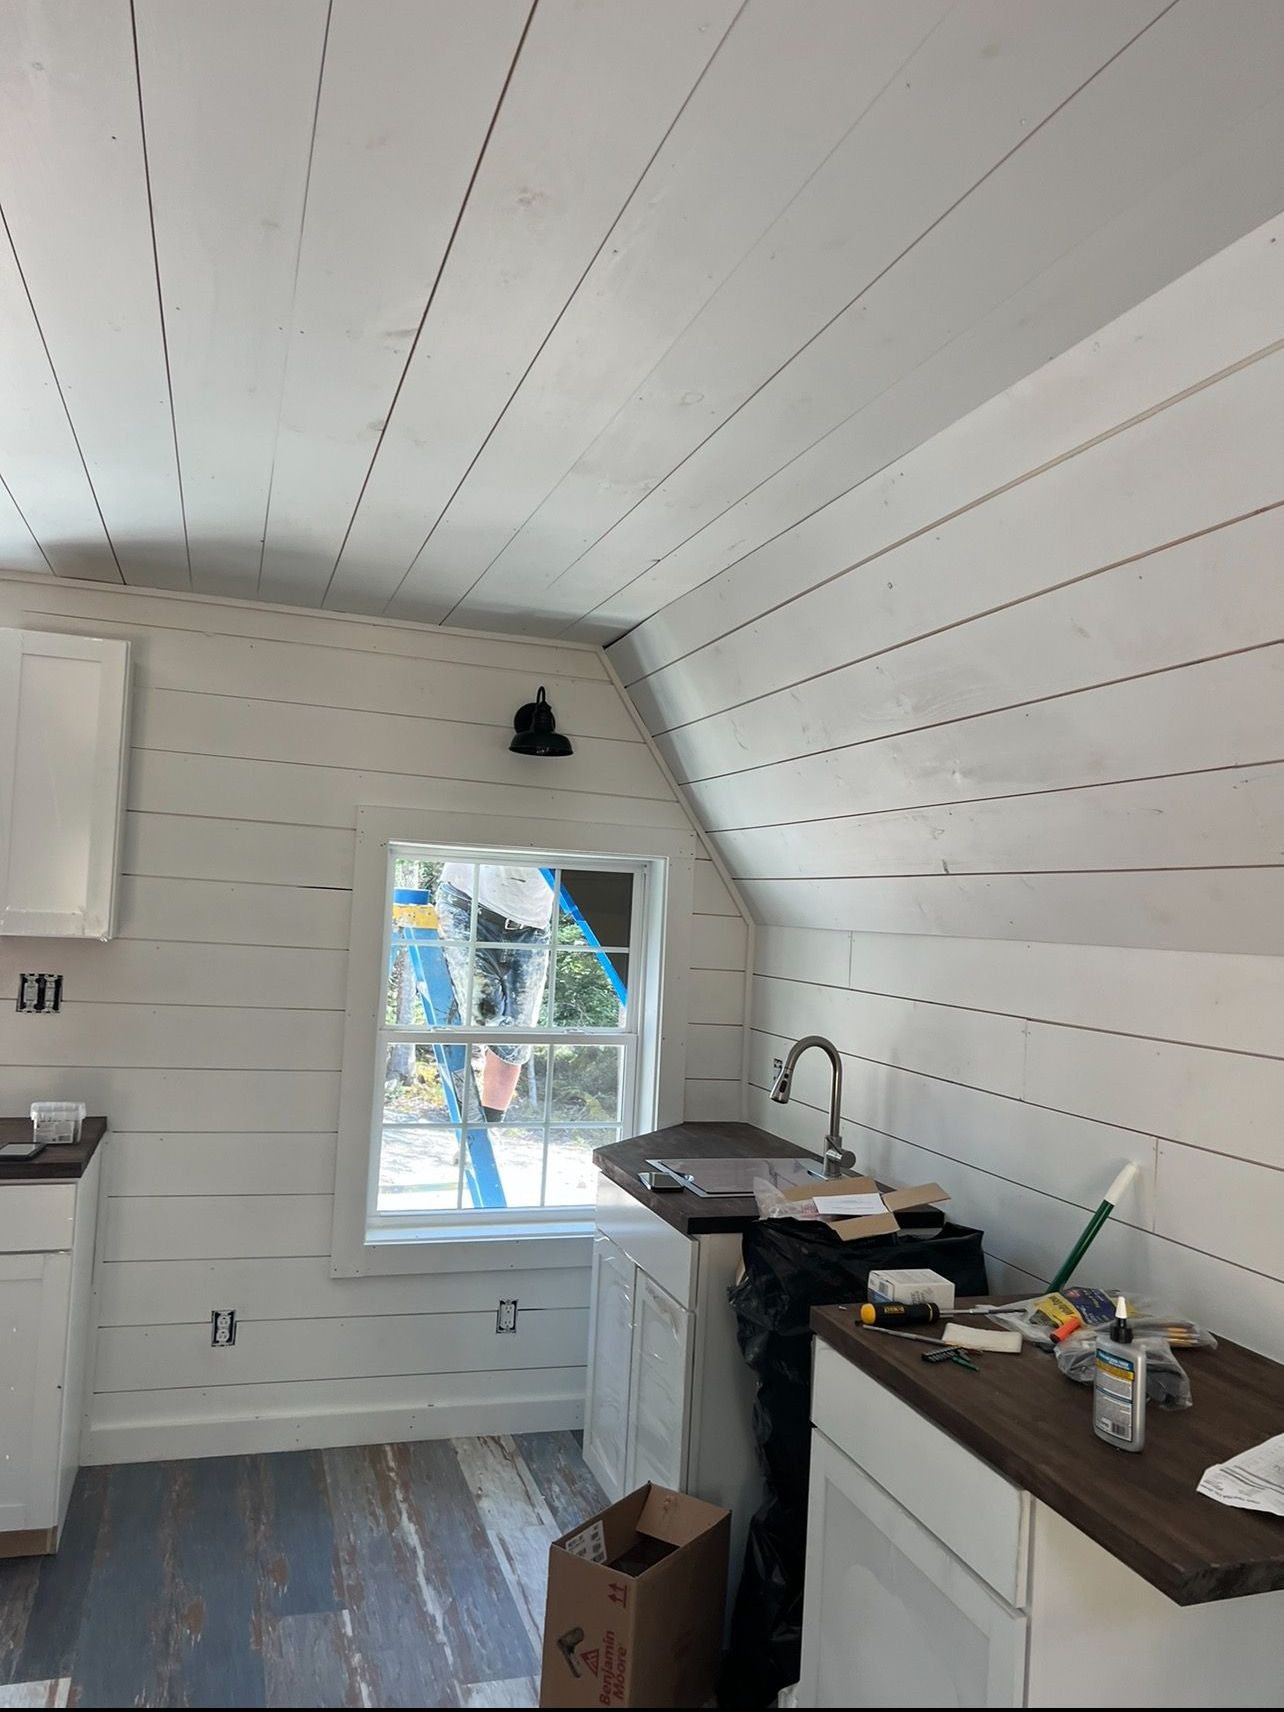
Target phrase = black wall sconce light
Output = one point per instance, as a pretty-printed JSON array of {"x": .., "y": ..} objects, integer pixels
[{"x": 536, "y": 729}]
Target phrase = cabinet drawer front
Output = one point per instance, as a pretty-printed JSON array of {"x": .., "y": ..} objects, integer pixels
[
  {"x": 662, "y": 1252},
  {"x": 970, "y": 1507},
  {"x": 36, "y": 1217}
]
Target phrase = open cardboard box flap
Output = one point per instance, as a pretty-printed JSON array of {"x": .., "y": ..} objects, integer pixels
[
  {"x": 874, "y": 1224},
  {"x": 673, "y": 1517}
]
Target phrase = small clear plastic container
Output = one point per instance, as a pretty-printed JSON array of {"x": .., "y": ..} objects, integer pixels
[{"x": 56, "y": 1121}]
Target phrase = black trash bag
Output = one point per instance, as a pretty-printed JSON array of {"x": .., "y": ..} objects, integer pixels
[{"x": 791, "y": 1267}]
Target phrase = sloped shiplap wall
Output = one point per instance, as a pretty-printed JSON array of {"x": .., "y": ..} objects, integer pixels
[
  {"x": 994, "y": 743},
  {"x": 210, "y": 1030}
]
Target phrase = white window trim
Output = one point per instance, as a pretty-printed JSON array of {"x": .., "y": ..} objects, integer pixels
[{"x": 662, "y": 1051}]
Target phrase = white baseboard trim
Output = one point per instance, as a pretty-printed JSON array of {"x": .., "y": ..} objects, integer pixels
[{"x": 165, "y": 1441}]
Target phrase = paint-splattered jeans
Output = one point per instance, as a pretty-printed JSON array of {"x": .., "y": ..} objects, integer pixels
[{"x": 508, "y": 976}]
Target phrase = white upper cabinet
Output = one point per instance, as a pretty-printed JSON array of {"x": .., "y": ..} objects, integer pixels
[{"x": 64, "y": 704}]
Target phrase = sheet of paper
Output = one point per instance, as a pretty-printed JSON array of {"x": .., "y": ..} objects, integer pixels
[
  {"x": 850, "y": 1206},
  {"x": 589, "y": 1543},
  {"x": 1253, "y": 1480}
]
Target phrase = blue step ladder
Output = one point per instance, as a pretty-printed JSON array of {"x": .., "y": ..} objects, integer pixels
[{"x": 414, "y": 917}]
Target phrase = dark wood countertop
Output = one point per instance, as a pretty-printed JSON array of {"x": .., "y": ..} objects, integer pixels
[
  {"x": 57, "y": 1164},
  {"x": 693, "y": 1215},
  {"x": 1020, "y": 1415}
]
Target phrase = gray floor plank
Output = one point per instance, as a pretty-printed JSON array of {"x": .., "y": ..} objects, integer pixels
[
  {"x": 213, "y": 1585},
  {"x": 51, "y": 1693},
  {"x": 487, "y": 1637},
  {"x": 121, "y": 1652},
  {"x": 568, "y": 1485},
  {"x": 518, "y": 1521},
  {"x": 18, "y": 1578},
  {"x": 58, "y": 1603},
  {"x": 518, "y": 1691},
  {"x": 397, "y": 1624},
  {"x": 311, "y": 1659},
  {"x": 294, "y": 1531}
]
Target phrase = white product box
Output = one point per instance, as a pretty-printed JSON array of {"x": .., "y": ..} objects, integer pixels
[{"x": 910, "y": 1284}]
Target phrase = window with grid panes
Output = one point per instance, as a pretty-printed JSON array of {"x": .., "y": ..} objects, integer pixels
[{"x": 508, "y": 1048}]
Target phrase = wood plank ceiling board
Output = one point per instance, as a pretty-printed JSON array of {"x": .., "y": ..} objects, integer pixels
[
  {"x": 1127, "y": 619},
  {"x": 18, "y": 549},
  {"x": 980, "y": 83},
  {"x": 719, "y": 180},
  {"x": 1141, "y": 177},
  {"x": 1193, "y": 909},
  {"x": 40, "y": 462},
  {"x": 73, "y": 185},
  {"x": 229, "y": 95},
  {"x": 1140, "y": 728},
  {"x": 1209, "y": 321},
  {"x": 1231, "y": 818},
  {"x": 407, "y": 97},
  {"x": 592, "y": 94},
  {"x": 718, "y": 600}
]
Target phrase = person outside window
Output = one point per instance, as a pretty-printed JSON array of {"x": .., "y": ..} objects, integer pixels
[{"x": 510, "y": 968}]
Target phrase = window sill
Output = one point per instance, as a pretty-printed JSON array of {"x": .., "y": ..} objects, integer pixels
[{"x": 498, "y": 1248}]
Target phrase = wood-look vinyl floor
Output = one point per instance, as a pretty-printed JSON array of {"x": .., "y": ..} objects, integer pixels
[{"x": 384, "y": 1575}]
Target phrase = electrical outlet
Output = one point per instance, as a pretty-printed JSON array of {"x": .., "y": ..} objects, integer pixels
[
  {"x": 222, "y": 1328},
  {"x": 777, "y": 1065},
  {"x": 506, "y": 1314},
  {"x": 39, "y": 994}
]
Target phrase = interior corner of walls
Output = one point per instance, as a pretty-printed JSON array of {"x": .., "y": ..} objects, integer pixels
[{"x": 679, "y": 794}]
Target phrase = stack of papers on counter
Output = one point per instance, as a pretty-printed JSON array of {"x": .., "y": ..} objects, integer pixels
[{"x": 1253, "y": 1480}]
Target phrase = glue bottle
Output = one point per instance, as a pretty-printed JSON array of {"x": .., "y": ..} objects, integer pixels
[{"x": 1119, "y": 1385}]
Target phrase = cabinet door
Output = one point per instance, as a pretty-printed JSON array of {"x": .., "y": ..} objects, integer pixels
[
  {"x": 660, "y": 1389},
  {"x": 890, "y": 1617},
  {"x": 63, "y": 728},
  {"x": 606, "y": 1412},
  {"x": 33, "y": 1330}
]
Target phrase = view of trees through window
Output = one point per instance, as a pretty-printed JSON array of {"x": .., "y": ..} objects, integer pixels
[{"x": 506, "y": 1048}]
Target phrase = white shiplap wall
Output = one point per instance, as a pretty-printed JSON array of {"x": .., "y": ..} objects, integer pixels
[
  {"x": 210, "y": 1030},
  {"x": 993, "y": 743}
]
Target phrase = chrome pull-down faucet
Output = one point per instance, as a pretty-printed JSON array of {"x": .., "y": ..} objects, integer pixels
[{"x": 836, "y": 1157}]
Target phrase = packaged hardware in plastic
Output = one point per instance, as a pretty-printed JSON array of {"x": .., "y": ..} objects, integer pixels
[{"x": 1167, "y": 1382}]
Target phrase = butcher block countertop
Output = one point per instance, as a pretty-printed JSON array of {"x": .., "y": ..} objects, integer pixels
[
  {"x": 1022, "y": 1417},
  {"x": 61, "y": 1163},
  {"x": 694, "y": 1215}
]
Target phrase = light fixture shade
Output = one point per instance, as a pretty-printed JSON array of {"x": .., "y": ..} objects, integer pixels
[{"x": 536, "y": 729}]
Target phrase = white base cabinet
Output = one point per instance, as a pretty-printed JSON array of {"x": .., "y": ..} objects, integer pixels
[
  {"x": 933, "y": 1581},
  {"x": 900, "y": 1620},
  {"x": 46, "y": 1267},
  {"x": 669, "y": 1396}
]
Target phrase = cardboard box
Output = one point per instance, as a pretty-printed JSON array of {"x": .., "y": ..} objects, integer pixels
[
  {"x": 635, "y": 1604},
  {"x": 884, "y": 1205},
  {"x": 910, "y": 1284}
]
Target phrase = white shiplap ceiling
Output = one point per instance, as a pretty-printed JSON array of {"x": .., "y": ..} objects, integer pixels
[{"x": 534, "y": 317}]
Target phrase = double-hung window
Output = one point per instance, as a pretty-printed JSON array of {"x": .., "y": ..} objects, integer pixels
[
  {"x": 517, "y": 997},
  {"x": 509, "y": 1044}
]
